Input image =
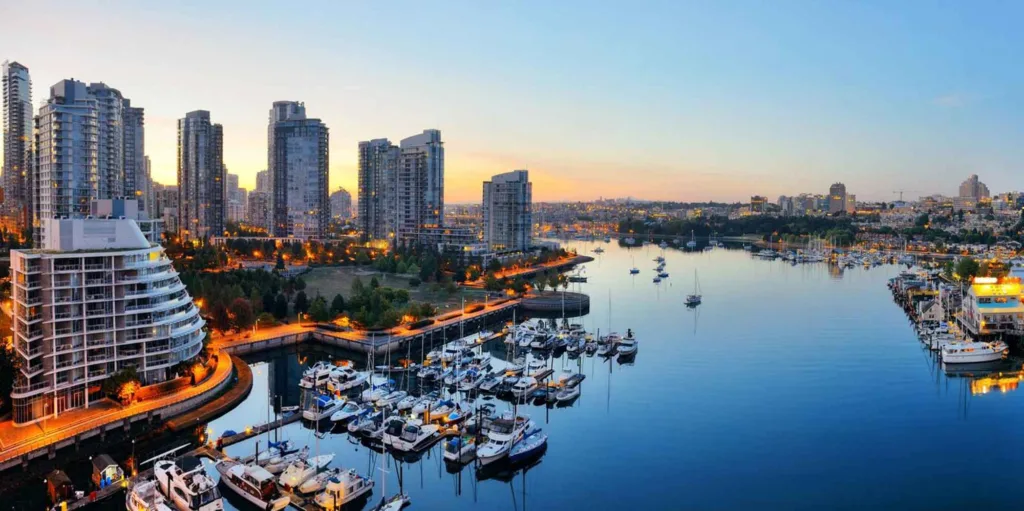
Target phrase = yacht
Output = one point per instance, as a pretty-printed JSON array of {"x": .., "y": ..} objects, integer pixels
[
  {"x": 392, "y": 398},
  {"x": 570, "y": 389},
  {"x": 663, "y": 274},
  {"x": 969, "y": 352},
  {"x": 253, "y": 483},
  {"x": 393, "y": 504},
  {"x": 146, "y": 496},
  {"x": 489, "y": 383},
  {"x": 524, "y": 387},
  {"x": 406, "y": 403},
  {"x": 344, "y": 379},
  {"x": 187, "y": 490},
  {"x": 472, "y": 380},
  {"x": 380, "y": 386},
  {"x": 461, "y": 449},
  {"x": 409, "y": 436},
  {"x": 663, "y": 244},
  {"x": 343, "y": 489},
  {"x": 365, "y": 423},
  {"x": 277, "y": 464},
  {"x": 627, "y": 347},
  {"x": 501, "y": 435},
  {"x": 533, "y": 443},
  {"x": 318, "y": 482},
  {"x": 301, "y": 470},
  {"x": 316, "y": 375},
  {"x": 694, "y": 299},
  {"x": 322, "y": 407},
  {"x": 656, "y": 279},
  {"x": 634, "y": 270},
  {"x": 349, "y": 411}
]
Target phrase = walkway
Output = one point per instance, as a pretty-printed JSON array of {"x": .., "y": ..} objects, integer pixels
[
  {"x": 236, "y": 394},
  {"x": 18, "y": 441},
  {"x": 554, "y": 265}
]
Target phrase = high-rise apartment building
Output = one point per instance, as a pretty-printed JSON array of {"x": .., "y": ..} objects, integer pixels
[
  {"x": 263, "y": 181},
  {"x": 236, "y": 199},
  {"x": 378, "y": 169},
  {"x": 508, "y": 211},
  {"x": 298, "y": 165},
  {"x": 419, "y": 185},
  {"x": 17, "y": 140},
  {"x": 837, "y": 198},
  {"x": 200, "y": 176},
  {"x": 165, "y": 206},
  {"x": 95, "y": 298},
  {"x": 110, "y": 141},
  {"x": 341, "y": 205},
  {"x": 258, "y": 210},
  {"x": 974, "y": 189},
  {"x": 136, "y": 175}
]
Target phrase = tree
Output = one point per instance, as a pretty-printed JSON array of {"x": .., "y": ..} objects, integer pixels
[
  {"x": 122, "y": 385},
  {"x": 268, "y": 302},
  {"x": 374, "y": 283},
  {"x": 362, "y": 258},
  {"x": 413, "y": 269},
  {"x": 280, "y": 307},
  {"x": 540, "y": 284},
  {"x": 967, "y": 268},
  {"x": 255, "y": 301},
  {"x": 318, "y": 310},
  {"x": 357, "y": 287},
  {"x": 338, "y": 304},
  {"x": 265, "y": 319},
  {"x": 280, "y": 262},
  {"x": 220, "y": 319},
  {"x": 494, "y": 265},
  {"x": 300, "y": 284},
  {"x": 301, "y": 302},
  {"x": 241, "y": 309}
]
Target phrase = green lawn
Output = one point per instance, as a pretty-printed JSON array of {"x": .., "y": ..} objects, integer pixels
[{"x": 329, "y": 281}]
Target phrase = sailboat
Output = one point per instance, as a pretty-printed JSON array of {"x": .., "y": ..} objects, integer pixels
[
  {"x": 694, "y": 299},
  {"x": 399, "y": 500},
  {"x": 693, "y": 242},
  {"x": 634, "y": 270}
]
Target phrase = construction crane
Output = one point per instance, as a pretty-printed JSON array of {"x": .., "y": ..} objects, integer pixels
[{"x": 901, "y": 193}]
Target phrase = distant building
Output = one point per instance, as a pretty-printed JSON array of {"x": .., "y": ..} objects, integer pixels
[
  {"x": 378, "y": 169},
  {"x": 419, "y": 185},
  {"x": 837, "y": 198},
  {"x": 974, "y": 189},
  {"x": 258, "y": 210},
  {"x": 787, "y": 205},
  {"x": 851, "y": 203},
  {"x": 341, "y": 205},
  {"x": 236, "y": 199},
  {"x": 757, "y": 204},
  {"x": 136, "y": 165},
  {"x": 165, "y": 206},
  {"x": 298, "y": 165},
  {"x": 200, "y": 176},
  {"x": 17, "y": 144},
  {"x": 508, "y": 211},
  {"x": 263, "y": 181}
]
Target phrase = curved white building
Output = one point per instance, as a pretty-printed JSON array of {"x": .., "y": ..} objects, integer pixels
[{"x": 98, "y": 297}]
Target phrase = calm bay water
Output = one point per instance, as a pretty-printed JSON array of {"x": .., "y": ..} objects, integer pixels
[{"x": 790, "y": 387}]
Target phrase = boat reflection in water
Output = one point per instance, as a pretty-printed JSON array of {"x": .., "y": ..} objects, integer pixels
[{"x": 1004, "y": 375}]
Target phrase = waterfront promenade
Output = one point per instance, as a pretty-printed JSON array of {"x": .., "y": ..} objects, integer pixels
[{"x": 20, "y": 444}]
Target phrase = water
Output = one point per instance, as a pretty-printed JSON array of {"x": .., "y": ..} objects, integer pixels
[{"x": 790, "y": 388}]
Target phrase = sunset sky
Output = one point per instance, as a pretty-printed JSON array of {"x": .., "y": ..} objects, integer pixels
[{"x": 659, "y": 100}]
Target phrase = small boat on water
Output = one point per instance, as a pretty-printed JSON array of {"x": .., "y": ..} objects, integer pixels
[
  {"x": 186, "y": 485},
  {"x": 301, "y": 470},
  {"x": 971, "y": 352},
  {"x": 342, "y": 489},
  {"x": 694, "y": 299},
  {"x": 501, "y": 435},
  {"x": 392, "y": 398},
  {"x": 460, "y": 450},
  {"x": 490, "y": 383},
  {"x": 322, "y": 407},
  {"x": 409, "y": 436},
  {"x": 532, "y": 444},
  {"x": 524, "y": 386},
  {"x": 693, "y": 241},
  {"x": 394, "y": 503},
  {"x": 570, "y": 389},
  {"x": 365, "y": 423},
  {"x": 627, "y": 347},
  {"x": 598, "y": 250},
  {"x": 349, "y": 411},
  {"x": 277, "y": 449},
  {"x": 318, "y": 482},
  {"x": 316, "y": 375},
  {"x": 656, "y": 279},
  {"x": 406, "y": 403},
  {"x": 277, "y": 464},
  {"x": 146, "y": 496},
  {"x": 253, "y": 483}
]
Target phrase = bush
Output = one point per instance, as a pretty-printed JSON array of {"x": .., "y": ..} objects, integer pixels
[{"x": 414, "y": 282}]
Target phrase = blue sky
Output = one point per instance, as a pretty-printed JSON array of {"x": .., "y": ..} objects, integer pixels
[{"x": 662, "y": 100}]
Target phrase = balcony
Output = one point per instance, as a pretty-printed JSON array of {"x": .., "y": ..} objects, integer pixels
[
  {"x": 21, "y": 388},
  {"x": 67, "y": 267},
  {"x": 96, "y": 266},
  {"x": 97, "y": 281},
  {"x": 96, "y": 373},
  {"x": 68, "y": 346}
]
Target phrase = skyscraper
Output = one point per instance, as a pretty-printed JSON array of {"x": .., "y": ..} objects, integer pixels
[
  {"x": 837, "y": 198},
  {"x": 378, "y": 168},
  {"x": 974, "y": 189},
  {"x": 508, "y": 211},
  {"x": 110, "y": 141},
  {"x": 136, "y": 176},
  {"x": 419, "y": 185},
  {"x": 257, "y": 211},
  {"x": 298, "y": 164},
  {"x": 341, "y": 204},
  {"x": 263, "y": 181},
  {"x": 17, "y": 133},
  {"x": 200, "y": 176}
]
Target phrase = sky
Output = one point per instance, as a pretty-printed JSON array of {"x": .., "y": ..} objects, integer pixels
[{"x": 670, "y": 100}]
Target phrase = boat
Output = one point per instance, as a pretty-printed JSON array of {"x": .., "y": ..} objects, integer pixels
[
  {"x": 656, "y": 279},
  {"x": 277, "y": 464},
  {"x": 365, "y": 423},
  {"x": 392, "y": 398},
  {"x": 608, "y": 345},
  {"x": 409, "y": 436},
  {"x": 146, "y": 496},
  {"x": 524, "y": 386},
  {"x": 663, "y": 244},
  {"x": 318, "y": 482},
  {"x": 379, "y": 387},
  {"x": 598, "y": 250},
  {"x": 343, "y": 379},
  {"x": 627, "y": 346},
  {"x": 316, "y": 375},
  {"x": 349, "y": 411},
  {"x": 460, "y": 450},
  {"x": 501, "y": 435},
  {"x": 489, "y": 383},
  {"x": 322, "y": 407},
  {"x": 342, "y": 489},
  {"x": 694, "y": 299},
  {"x": 253, "y": 483},
  {"x": 660, "y": 259},
  {"x": 406, "y": 403},
  {"x": 532, "y": 444},
  {"x": 276, "y": 449},
  {"x": 607, "y": 239},
  {"x": 186, "y": 485},
  {"x": 301, "y": 470},
  {"x": 634, "y": 270},
  {"x": 972, "y": 352},
  {"x": 570, "y": 389},
  {"x": 630, "y": 240},
  {"x": 663, "y": 274},
  {"x": 472, "y": 380},
  {"x": 693, "y": 241},
  {"x": 394, "y": 503}
]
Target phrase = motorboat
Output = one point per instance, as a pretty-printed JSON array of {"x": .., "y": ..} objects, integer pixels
[
  {"x": 392, "y": 398},
  {"x": 277, "y": 464},
  {"x": 693, "y": 300},
  {"x": 542, "y": 341},
  {"x": 532, "y": 444},
  {"x": 569, "y": 392},
  {"x": 186, "y": 486},
  {"x": 598, "y": 250},
  {"x": 663, "y": 274},
  {"x": 276, "y": 449},
  {"x": 365, "y": 423},
  {"x": 423, "y": 402},
  {"x": 656, "y": 279},
  {"x": 428, "y": 373},
  {"x": 438, "y": 410},
  {"x": 301, "y": 470},
  {"x": 575, "y": 344},
  {"x": 343, "y": 379},
  {"x": 409, "y": 436},
  {"x": 394, "y": 503},
  {"x": 501, "y": 435},
  {"x": 608, "y": 345},
  {"x": 458, "y": 414},
  {"x": 406, "y": 403},
  {"x": 318, "y": 482},
  {"x": 489, "y": 383},
  {"x": 322, "y": 407},
  {"x": 349, "y": 411},
  {"x": 472, "y": 380},
  {"x": 524, "y": 386},
  {"x": 536, "y": 365},
  {"x": 316, "y": 375},
  {"x": 342, "y": 489},
  {"x": 379, "y": 387},
  {"x": 253, "y": 483},
  {"x": 460, "y": 450},
  {"x": 660, "y": 259},
  {"x": 634, "y": 270},
  {"x": 455, "y": 350},
  {"x": 146, "y": 496},
  {"x": 627, "y": 347},
  {"x": 972, "y": 352}
]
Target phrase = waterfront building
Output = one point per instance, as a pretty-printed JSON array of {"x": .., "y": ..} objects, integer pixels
[
  {"x": 258, "y": 212},
  {"x": 508, "y": 211},
  {"x": 974, "y": 189},
  {"x": 341, "y": 205},
  {"x": 298, "y": 164},
  {"x": 836, "y": 198},
  {"x": 17, "y": 140},
  {"x": 378, "y": 168},
  {"x": 200, "y": 176},
  {"x": 419, "y": 185},
  {"x": 95, "y": 298},
  {"x": 993, "y": 306}
]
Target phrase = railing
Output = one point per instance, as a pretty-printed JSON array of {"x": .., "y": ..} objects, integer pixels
[
  {"x": 96, "y": 282},
  {"x": 68, "y": 347},
  {"x": 103, "y": 342},
  {"x": 66, "y": 267},
  {"x": 96, "y": 266},
  {"x": 102, "y": 296},
  {"x": 64, "y": 299},
  {"x": 21, "y": 389},
  {"x": 31, "y": 351}
]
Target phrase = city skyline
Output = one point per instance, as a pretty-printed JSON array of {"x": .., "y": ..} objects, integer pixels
[{"x": 734, "y": 108}]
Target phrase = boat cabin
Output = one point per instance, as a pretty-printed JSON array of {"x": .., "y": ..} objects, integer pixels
[{"x": 254, "y": 480}]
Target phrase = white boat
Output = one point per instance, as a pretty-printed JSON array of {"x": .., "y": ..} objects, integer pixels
[
  {"x": 472, "y": 380},
  {"x": 253, "y": 483},
  {"x": 406, "y": 403},
  {"x": 276, "y": 449},
  {"x": 187, "y": 488},
  {"x": 350, "y": 410},
  {"x": 393, "y": 504},
  {"x": 316, "y": 375},
  {"x": 380, "y": 386},
  {"x": 146, "y": 496},
  {"x": 277, "y": 464},
  {"x": 501, "y": 435},
  {"x": 568, "y": 393},
  {"x": 524, "y": 386},
  {"x": 969, "y": 352},
  {"x": 318, "y": 482},
  {"x": 461, "y": 449},
  {"x": 608, "y": 345},
  {"x": 343, "y": 489},
  {"x": 663, "y": 244},
  {"x": 489, "y": 383},
  {"x": 299, "y": 471},
  {"x": 693, "y": 242},
  {"x": 627, "y": 347},
  {"x": 455, "y": 350},
  {"x": 409, "y": 436},
  {"x": 392, "y": 398},
  {"x": 322, "y": 407},
  {"x": 343, "y": 379}
]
